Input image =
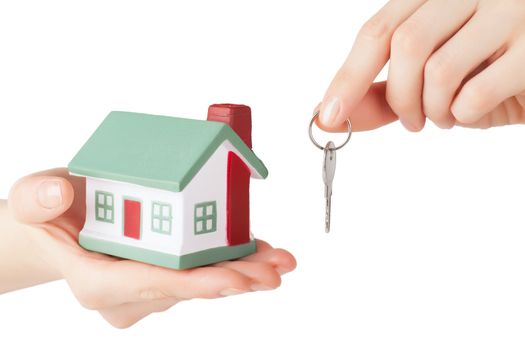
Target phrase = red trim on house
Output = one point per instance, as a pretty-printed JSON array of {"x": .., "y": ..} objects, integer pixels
[{"x": 238, "y": 201}]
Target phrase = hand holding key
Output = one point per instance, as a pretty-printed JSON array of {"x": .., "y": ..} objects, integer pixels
[
  {"x": 450, "y": 62},
  {"x": 328, "y": 167}
]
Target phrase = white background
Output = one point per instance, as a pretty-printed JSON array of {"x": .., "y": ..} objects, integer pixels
[{"x": 427, "y": 248}]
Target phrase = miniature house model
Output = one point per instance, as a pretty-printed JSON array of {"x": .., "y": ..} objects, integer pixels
[{"x": 170, "y": 191}]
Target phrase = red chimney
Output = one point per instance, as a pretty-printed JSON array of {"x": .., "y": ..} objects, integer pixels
[{"x": 238, "y": 117}]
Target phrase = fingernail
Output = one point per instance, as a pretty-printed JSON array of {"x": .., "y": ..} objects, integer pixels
[
  {"x": 49, "y": 194},
  {"x": 330, "y": 111},
  {"x": 231, "y": 291},
  {"x": 259, "y": 287}
]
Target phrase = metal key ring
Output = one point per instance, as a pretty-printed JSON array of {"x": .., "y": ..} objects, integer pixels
[{"x": 321, "y": 147}]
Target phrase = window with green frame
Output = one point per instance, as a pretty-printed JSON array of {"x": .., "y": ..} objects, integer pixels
[
  {"x": 205, "y": 217},
  {"x": 161, "y": 218},
  {"x": 104, "y": 210}
]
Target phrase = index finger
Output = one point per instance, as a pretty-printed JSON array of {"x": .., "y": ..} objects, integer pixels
[{"x": 368, "y": 56}]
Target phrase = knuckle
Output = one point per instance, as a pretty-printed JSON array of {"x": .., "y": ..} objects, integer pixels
[
  {"x": 438, "y": 70},
  {"x": 408, "y": 38},
  {"x": 476, "y": 97},
  {"x": 377, "y": 27}
]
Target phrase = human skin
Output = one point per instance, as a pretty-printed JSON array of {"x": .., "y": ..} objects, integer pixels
[
  {"x": 39, "y": 227},
  {"x": 452, "y": 62}
]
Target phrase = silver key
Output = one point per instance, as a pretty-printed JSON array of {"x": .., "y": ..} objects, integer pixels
[
  {"x": 328, "y": 178},
  {"x": 328, "y": 166}
]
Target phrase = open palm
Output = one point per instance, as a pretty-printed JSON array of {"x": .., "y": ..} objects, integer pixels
[{"x": 125, "y": 291}]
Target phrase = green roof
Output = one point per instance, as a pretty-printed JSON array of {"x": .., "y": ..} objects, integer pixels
[{"x": 156, "y": 151}]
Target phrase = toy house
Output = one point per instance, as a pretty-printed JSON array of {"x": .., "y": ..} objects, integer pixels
[{"x": 170, "y": 191}]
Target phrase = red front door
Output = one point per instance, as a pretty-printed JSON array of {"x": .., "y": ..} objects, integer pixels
[
  {"x": 238, "y": 201},
  {"x": 132, "y": 219}
]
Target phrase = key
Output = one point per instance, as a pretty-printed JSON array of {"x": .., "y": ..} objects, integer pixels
[
  {"x": 328, "y": 166},
  {"x": 328, "y": 178}
]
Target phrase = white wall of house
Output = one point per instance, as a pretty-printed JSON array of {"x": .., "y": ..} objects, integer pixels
[
  {"x": 209, "y": 184},
  {"x": 114, "y": 231}
]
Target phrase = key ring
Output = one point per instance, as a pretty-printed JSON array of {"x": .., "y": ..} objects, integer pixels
[{"x": 321, "y": 147}]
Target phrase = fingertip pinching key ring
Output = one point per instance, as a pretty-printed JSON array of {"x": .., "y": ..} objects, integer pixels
[
  {"x": 349, "y": 131},
  {"x": 328, "y": 167}
]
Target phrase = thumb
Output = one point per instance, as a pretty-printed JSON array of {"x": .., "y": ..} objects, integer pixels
[{"x": 37, "y": 199}]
